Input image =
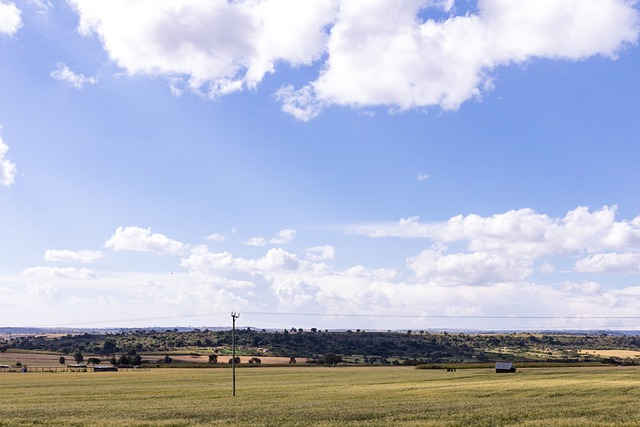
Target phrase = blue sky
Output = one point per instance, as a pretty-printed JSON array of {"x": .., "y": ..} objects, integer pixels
[{"x": 431, "y": 164}]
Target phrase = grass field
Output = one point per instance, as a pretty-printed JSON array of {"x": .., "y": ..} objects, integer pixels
[{"x": 341, "y": 396}]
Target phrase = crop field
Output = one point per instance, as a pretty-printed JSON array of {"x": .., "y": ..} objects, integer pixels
[
  {"x": 321, "y": 396},
  {"x": 612, "y": 353}
]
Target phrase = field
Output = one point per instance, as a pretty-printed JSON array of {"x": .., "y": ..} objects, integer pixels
[
  {"x": 320, "y": 396},
  {"x": 34, "y": 358},
  {"x": 612, "y": 353}
]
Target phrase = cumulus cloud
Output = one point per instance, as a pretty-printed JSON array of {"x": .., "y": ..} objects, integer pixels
[
  {"x": 10, "y": 20},
  {"x": 610, "y": 263},
  {"x": 297, "y": 294},
  {"x": 381, "y": 53},
  {"x": 142, "y": 240},
  {"x": 303, "y": 104},
  {"x": 523, "y": 232},
  {"x": 217, "y": 237},
  {"x": 220, "y": 46},
  {"x": 255, "y": 241},
  {"x": 442, "y": 280},
  {"x": 83, "y": 257},
  {"x": 64, "y": 73},
  {"x": 64, "y": 273},
  {"x": 203, "y": 262},
  {"x": 370, "y": 53},
  {"x": 7, "y": 168},
  {"x": 283, "y": 237},
  {"x": 477, "y": 268},
  {"x": 321, "y": 253}
]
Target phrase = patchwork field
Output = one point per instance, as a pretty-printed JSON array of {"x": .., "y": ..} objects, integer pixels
[
  {"x": 33, "y": 358},
  {"x": 612, "y": 353},
  {"x": 341, "y": 396}
]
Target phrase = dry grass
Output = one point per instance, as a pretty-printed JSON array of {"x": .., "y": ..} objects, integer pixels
[
  {"x": 32, "y": 358},
  {"x": 612, "y": 353},
  {"x": 11, "y": 357},
  {"x": 320, "y": 396}
]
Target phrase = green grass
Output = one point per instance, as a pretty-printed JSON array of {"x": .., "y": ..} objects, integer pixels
[{"x": 341, "y": 396}]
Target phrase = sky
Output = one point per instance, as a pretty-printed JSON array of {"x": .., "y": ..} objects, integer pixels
[{"x": 366, "y": 164}]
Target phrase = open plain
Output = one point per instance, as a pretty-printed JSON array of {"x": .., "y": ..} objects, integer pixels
[{"x": 323, "y": 396}]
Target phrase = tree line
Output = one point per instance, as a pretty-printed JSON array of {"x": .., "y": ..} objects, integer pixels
[{"x": 315, "y": 344}]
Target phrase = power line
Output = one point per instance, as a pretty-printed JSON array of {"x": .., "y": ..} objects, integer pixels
[
  {"x": 350, "y": 315},
  {"x": 434, "y": 316}
]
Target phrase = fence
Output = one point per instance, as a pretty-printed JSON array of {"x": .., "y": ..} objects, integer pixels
[{"x": 66, "y": 369}]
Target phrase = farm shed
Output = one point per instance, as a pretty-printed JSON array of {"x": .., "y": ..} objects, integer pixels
[
  {"x": 504, "y": 367},
  {"x": 77, "y": 367},
  {"x": 105, "y": 369}
]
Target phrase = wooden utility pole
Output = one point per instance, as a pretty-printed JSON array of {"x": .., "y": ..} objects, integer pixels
[{"x": 234, "y": 316}]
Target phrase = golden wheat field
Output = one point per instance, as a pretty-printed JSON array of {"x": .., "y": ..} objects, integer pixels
[
  {"x": 321, "y": 396},
  {"x": 612, "y": 353}
]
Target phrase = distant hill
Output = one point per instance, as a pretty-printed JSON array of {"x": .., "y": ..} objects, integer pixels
[{"x": 381, "y": 347}]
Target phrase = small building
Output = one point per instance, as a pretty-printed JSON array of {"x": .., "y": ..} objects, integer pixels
[
  {"x": 77, "y": 367},
  {"x": 504, "y": 367},
  {"x": 100, "y": 368}
]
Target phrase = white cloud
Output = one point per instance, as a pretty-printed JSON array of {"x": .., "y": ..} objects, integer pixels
[
  {"x": 10, "y": 20},
  {"x": 64, "y": 73},
  {"x": 370, "y": 53},
  {"x": 380, "y": 53},
  {"x": 610, "y": 263},
  {"x": 422, "y": 177},
  {"x": 221, "y": 46},
  {"x": 142, "y": 240},
  {"x": 477, "y": 268},
  {"x": 523, "y": 232},
  {"x": 83, "y": 257},
  {"x": 7, "y": 168},
  {"x": 547, "y": 268},
  {"x": 303, "y": 104},
  {"x": 43, "y": 6},
  {"x": 321, "y": 253},
  {"x": 256, "y": 241},
  {"x": 296, "y": 294},
  {"x": 440, "y": 281},
  {"x": 65, "y": 273},
  {"x": 284, "y": 236},
  {"x": 278, "y": 259},
  {"x": 217, "y": 237},
  {"x": 203, "y": 262}
]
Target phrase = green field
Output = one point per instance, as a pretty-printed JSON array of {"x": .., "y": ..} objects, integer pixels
[{"x": 341, "y": 396}]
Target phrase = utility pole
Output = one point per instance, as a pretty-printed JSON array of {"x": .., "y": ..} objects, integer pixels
[{"x": 234, "y": 316}]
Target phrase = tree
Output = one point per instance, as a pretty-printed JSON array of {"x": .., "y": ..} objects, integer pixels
[
  {"x": 136, "y": 360},
  {"x": 124, "y": 360},
  {"x": 213, "y": 358},
  {"x": 332, "y": 359},
  {"x": 237, "y": 359},
  {"x": 255, "y": 360},
  {"x": 167, "y": 359},
  {"x": 292, "y": 360},
  {"x": 93, "y": 361},
  {"x": 78, "y": 357},
  {"x": 62, "y": 360},
  {"x": 109, "y": 347}
]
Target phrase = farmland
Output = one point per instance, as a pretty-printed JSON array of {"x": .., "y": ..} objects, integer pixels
[
  {"x": 323, "y": 396},
  {"x": 356, "y": 347}
]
